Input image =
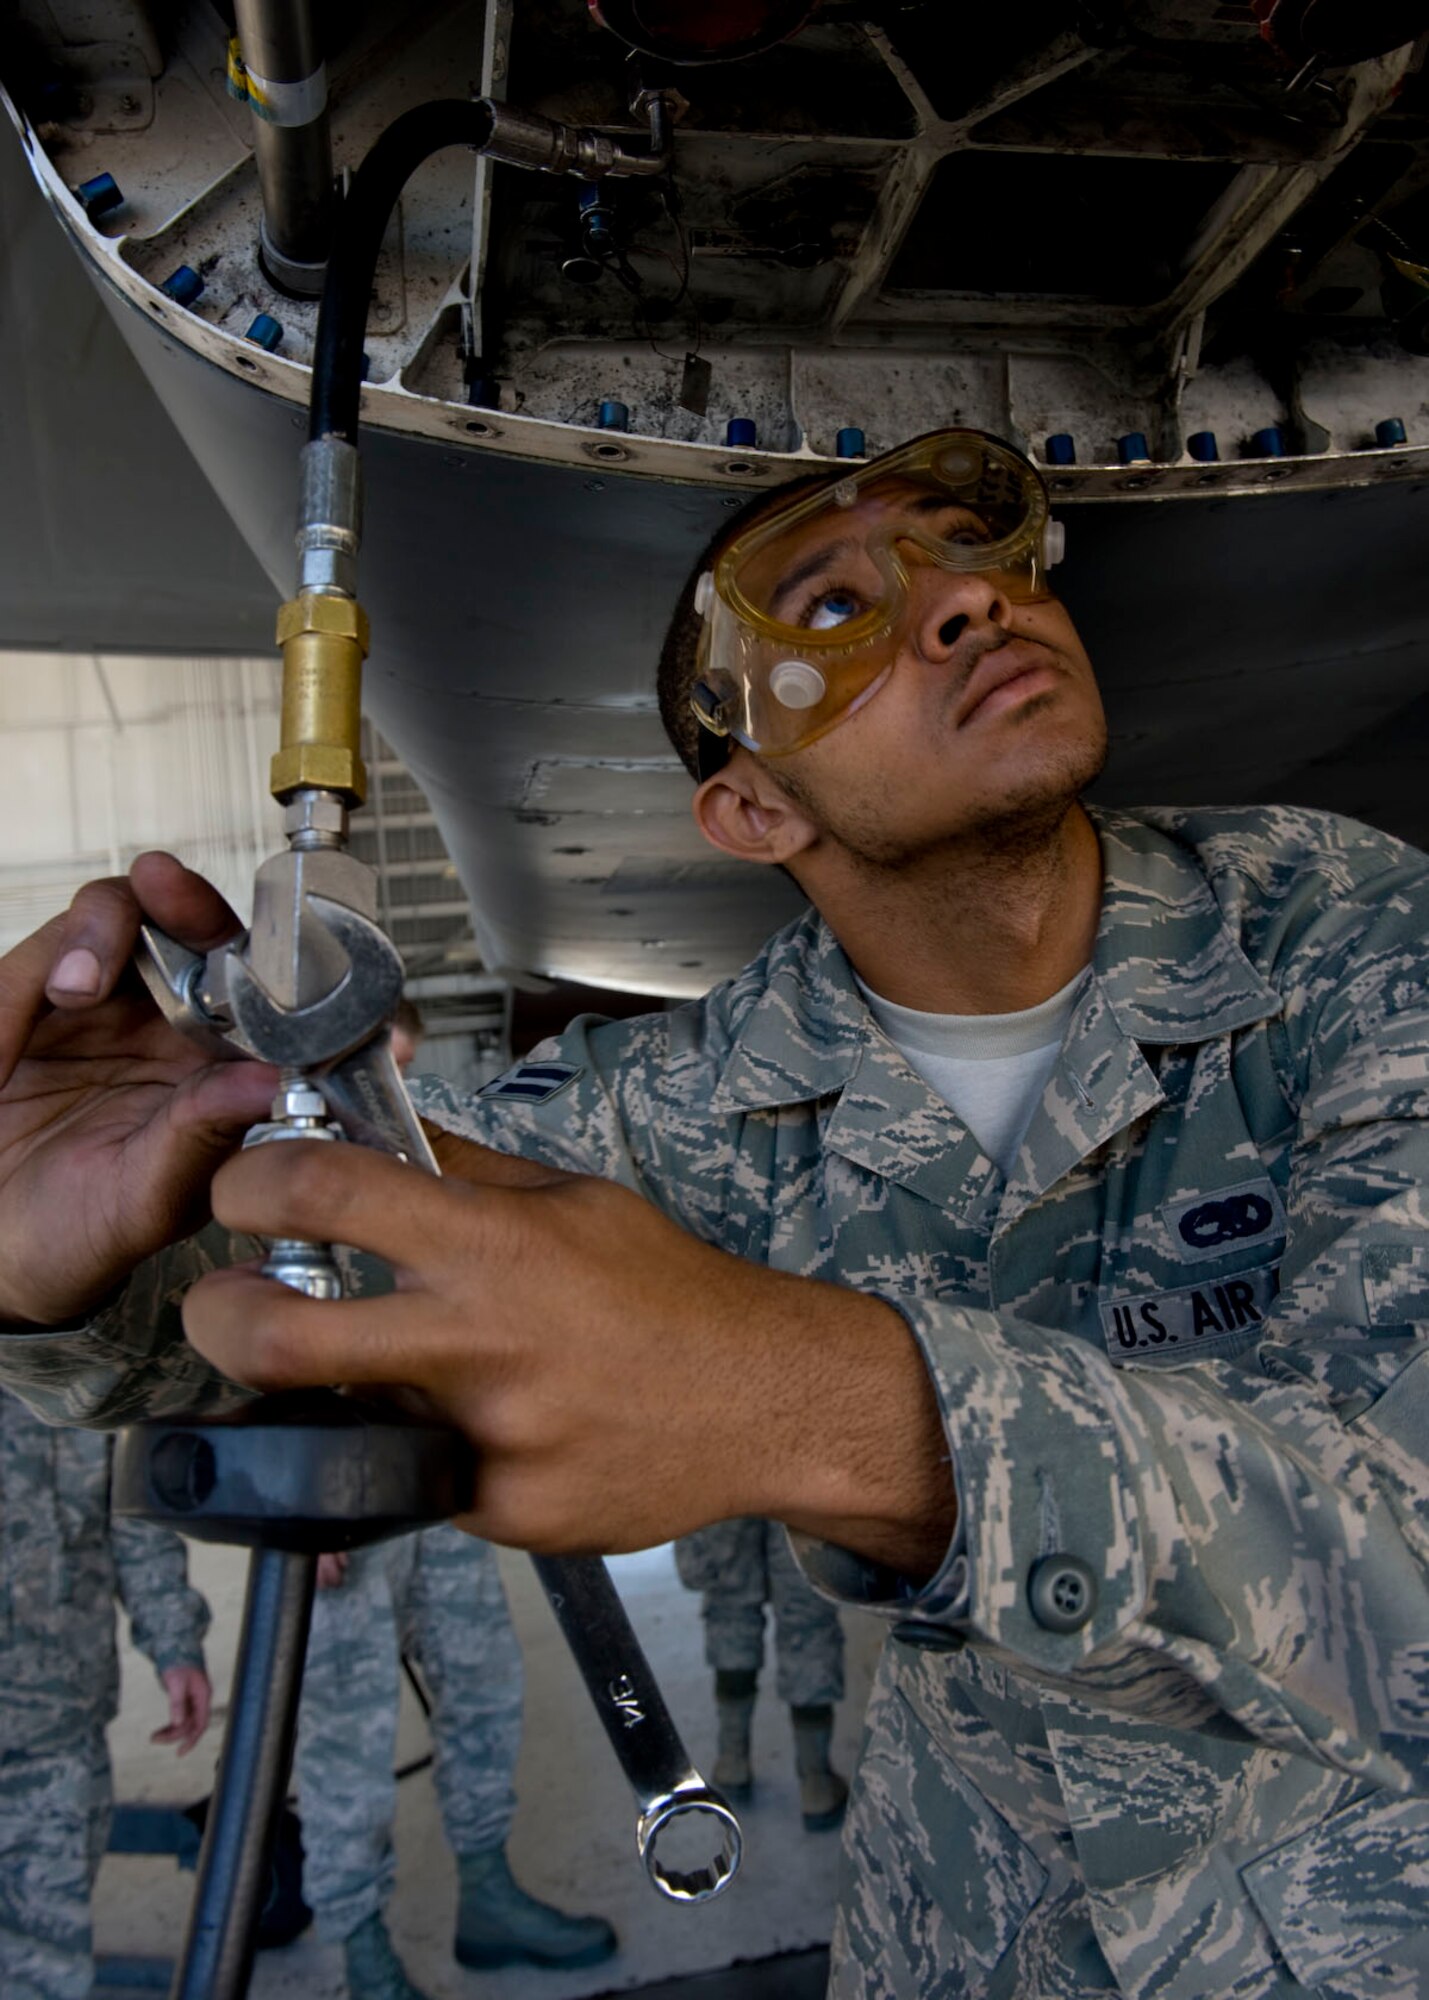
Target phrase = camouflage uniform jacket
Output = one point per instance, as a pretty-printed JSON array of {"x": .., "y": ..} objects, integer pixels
[
  {"x": 1180, "y": 1644},
  {"x": 62, "y": 1562}
]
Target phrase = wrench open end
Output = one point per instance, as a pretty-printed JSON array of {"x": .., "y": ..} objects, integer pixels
[
  {"x": 342, "y": 1020},
  {"x": 698, "y": 1885}
]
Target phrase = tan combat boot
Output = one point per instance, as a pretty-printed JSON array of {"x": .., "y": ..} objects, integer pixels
[
  {"x": 733, "y": 1774},
  {"x": 823, "y": 1794}
]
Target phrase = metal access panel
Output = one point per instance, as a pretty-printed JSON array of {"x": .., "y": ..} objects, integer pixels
[
  {"x": 1178, "y": 271},
  {"x": 111, "y": 539}
]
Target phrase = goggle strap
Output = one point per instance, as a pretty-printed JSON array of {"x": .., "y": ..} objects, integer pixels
[
  {"x": 711, "y": 754},
  {"x": 709, "y": 708},
  {"x": 712, "y": 736}
]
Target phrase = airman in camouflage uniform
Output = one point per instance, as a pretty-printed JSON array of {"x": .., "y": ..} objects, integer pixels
[
  {"x": 64, "y": 1562},
  {"x": 434, "y": 1597},
  {"x": 1159, "y": 1726},
  {"x": 1154, "y": 1721},
  {"x": 739, "y": 1567},
  {"x": 437, "y": 1597}
]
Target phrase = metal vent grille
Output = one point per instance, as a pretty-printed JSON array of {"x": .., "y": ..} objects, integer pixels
[{"x": 420, "y": 900}]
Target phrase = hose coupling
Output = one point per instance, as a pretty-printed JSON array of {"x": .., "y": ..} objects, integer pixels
[
  {"x": 526, "y": 139},
  {"x": 324, "y": 641}
]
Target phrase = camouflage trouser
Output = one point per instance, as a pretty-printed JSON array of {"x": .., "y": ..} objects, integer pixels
[
  {"x": 436, "y": 1596},
  {"x": 54, "y": 1823},
  {"x": 959, "y": 1874},
  {"x": 962, "y": 1874},
  {"x": 741, "y": 1566}
]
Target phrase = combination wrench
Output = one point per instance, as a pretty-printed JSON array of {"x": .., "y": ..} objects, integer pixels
[{"x": 338, "y": 1045}]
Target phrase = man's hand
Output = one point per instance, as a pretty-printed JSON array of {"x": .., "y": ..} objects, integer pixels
[
  {"x": 190, "y": 1699},
  {"x": 622, "y": 1382},
  {"x": 332, "y": 1569},
  {"x": 111, "y": 1122}
]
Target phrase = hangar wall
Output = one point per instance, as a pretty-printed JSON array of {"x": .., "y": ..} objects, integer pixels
[{"x": 108, "y": 754}]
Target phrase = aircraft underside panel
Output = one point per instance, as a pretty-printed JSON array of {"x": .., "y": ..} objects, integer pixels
[
  {"x": 1270, "y": 648},
  {"x": 1184, "y": 267}
]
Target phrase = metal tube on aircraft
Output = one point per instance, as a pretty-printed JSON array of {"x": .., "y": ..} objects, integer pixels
[{"x": 281, "y": 73}]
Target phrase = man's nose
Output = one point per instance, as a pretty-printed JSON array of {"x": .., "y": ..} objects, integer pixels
[{"x": 950, "y": 602}]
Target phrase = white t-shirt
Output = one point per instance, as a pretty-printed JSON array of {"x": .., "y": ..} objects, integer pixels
[{"x": 990, "y": 1068}]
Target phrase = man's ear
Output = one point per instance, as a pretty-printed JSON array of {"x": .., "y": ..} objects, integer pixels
[{"x": 743, "y": 812}]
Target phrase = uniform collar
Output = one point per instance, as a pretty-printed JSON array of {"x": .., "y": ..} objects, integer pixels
[
  {"x": 1167, "y": 960},
  {"x": 1166, "y": 964},
  {"x": 806, "y": 1030},
  {"x": 810, "y": 1035}
]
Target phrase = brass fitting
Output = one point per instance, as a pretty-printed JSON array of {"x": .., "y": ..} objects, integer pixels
[{"x": 324, "y": 642}]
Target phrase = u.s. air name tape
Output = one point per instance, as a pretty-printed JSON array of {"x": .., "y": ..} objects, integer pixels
[{"x": 1192, "y": 1322}]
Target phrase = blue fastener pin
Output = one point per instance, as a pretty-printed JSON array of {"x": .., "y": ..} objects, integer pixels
[
  {"x": 183, "y": 285},
  {"x": 99, "y": 196}
]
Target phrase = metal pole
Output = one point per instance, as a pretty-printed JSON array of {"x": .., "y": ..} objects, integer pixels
[
  {"x": 235, "y": 1861},
  {"x": 287, "y": 92}
]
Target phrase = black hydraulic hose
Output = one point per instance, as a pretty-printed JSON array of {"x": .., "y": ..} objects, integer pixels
[
  {"x": 582, "y": 1595},
  {"x": 248, "y": 1793},
  {"x": 361, "y": 224}
]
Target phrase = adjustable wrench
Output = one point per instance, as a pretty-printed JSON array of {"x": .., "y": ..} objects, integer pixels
[{"x": 219, "y": 999}]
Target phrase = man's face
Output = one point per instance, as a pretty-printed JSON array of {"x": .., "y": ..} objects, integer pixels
[{"x": 988, "y": 717}]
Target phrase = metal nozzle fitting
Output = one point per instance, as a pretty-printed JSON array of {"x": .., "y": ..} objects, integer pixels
[
  {"x": 526, "y": 139},
  {"x": 324, "y": 642},
  {"x": 313, "y": 819},
  {"x": 329, "y": 517}
]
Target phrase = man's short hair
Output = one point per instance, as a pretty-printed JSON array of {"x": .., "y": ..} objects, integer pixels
[
  {"x": 408, "y": 1017},
  {"x": 679, "y": 656}
]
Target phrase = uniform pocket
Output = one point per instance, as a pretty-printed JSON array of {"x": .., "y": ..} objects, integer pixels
[
  {"x": 1357, "y": 1883},
  {"x": 1396, "y": 1283},
  {"x": 943, "y": 1884}
]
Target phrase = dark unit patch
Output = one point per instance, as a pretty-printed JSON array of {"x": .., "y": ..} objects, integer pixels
[
  {"x": 1210, "y": 1224},
  {"x": 1216, "y": 1318},
  {"x": 533, "y": 1083}
]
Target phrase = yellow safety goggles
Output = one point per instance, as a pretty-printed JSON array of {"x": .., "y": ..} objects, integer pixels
[{"x": 806, "y": 611}]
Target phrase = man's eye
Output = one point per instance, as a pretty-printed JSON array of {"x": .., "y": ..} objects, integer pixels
[
  {"x": 835, "y": 607},
  {"x": 968, "y": 535}
]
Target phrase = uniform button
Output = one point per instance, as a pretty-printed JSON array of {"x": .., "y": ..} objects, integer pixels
[
  {"x": 1062, "y": 1592},
  {"x": 932, "y": 1638}
]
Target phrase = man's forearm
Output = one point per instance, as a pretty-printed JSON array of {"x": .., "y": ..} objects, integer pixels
[
  {"x": 865, "y": 1462},
  {"x": 622, "y": 1381}
]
